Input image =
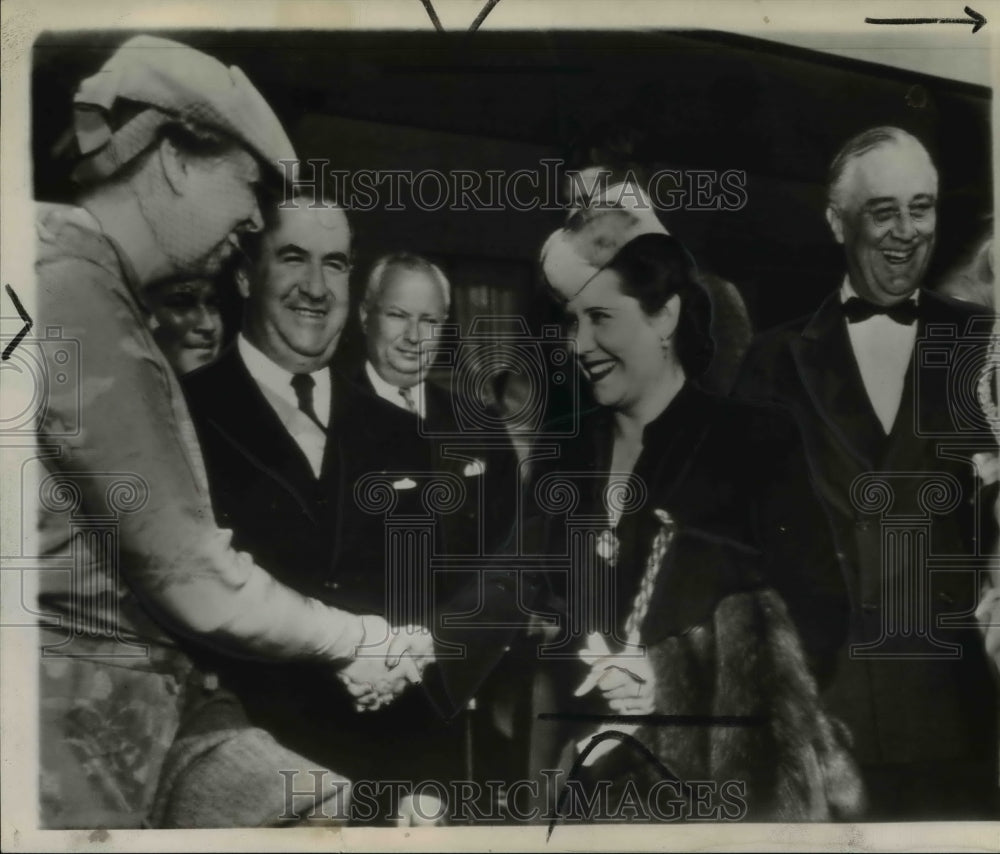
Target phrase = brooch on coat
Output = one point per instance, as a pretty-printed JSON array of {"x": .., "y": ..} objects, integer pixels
[
  {"x": 475, "y": 468},
  {"x": 607, "y": 546}
]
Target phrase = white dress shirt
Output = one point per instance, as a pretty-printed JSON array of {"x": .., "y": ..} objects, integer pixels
[
  {"x": 276, "y": 385},
  {"x": 387, "y": 391},
  {"x": 882, "y": 348}
]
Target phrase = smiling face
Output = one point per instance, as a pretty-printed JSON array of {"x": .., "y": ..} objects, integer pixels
[
  {"x": 884, "y": 214},
  {"x": 618, "y": 346},
  {"x": 297, "y": 293},
  {"x": 188, "y": 325},
  {"x": 399, "y": 326}
]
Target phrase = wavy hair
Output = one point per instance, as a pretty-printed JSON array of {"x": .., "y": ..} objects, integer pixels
[{"x": 656, "y": 267}]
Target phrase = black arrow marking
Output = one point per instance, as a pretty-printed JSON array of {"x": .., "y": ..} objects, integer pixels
[
  {"x": 637, "y": 746},
  {"x": 476, "y": 24},
  {"x": 482, "y": 14},
  {"x": 978, "y": 21},
  {"x": 630, "y": 741},
  {"x": 435, "y": 20},
  {"x": 9, "y": 349}
]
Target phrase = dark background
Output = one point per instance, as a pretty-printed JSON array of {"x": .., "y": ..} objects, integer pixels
[{"x": 496, "y": 100}]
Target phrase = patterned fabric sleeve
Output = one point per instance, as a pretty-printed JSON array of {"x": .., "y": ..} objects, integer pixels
[{"x": 175, "y": 560}]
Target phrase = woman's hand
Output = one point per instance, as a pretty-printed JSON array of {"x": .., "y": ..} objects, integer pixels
[
  {"x": 371, "y": 688},
  {"x": 625, "y": 680},
  {"x": 626, "y": 692}
]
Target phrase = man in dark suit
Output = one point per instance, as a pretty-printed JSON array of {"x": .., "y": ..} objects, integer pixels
[
  {"x": 406, "y": 297},
  {"x": 874, "y": 379},
  {"x": 420, "y": 427},
  {"x": 282, "y": 438}
]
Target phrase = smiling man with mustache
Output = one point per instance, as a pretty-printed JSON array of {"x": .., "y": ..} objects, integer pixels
[{"x": 876, "y": 410}]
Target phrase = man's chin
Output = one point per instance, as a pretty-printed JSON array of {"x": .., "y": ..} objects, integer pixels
[
  {"x": 900, "y": 287},
  {"x": 407, "y": 368},
  {"x": 901, "y": 281},
  {"x": 406, "y": 376}
]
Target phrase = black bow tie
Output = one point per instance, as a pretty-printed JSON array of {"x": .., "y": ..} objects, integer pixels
[{"x": 857, "y": 309}]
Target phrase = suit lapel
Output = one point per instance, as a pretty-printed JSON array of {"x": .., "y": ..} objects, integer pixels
[
  {"x": 904, "y": 428},
  {"x": 332, "y": 450},
  {"x": 248, "y": 422},
  {"x": 333, "y": 471},
  {"x": 934, "y": 394},
  {"x": 832, "y": 380}
]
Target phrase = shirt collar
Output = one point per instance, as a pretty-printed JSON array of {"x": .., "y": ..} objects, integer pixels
[
  {"x": 268, "y": 373},
  {"x": 387, "y": 391}
]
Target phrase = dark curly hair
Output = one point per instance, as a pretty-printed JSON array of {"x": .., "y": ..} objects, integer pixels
[{"x": 655, "y": 267}]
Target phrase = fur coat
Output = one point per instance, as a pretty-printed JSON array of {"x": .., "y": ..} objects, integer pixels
[{"x": 786, "y": 761}]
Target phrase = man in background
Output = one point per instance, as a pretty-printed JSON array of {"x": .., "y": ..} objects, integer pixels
[
  {"x": 431, "y": 427},
  {"x": 423, "y": 429},
  {"x": 275, "y": 425},
  {"x": 893, "y": 465}
]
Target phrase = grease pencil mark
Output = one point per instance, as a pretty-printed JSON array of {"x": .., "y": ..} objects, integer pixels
[{"x": 28, "y": 323}]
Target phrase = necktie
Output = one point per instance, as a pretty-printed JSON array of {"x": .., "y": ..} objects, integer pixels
[
  {"x": 407, "y": 396},
  {"x": 303, "y": 385},
  {"x": 857, "y": 309}
]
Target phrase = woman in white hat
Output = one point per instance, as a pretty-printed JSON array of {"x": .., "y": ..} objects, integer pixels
[
  {"x": 697, "y": 545},
  {"x": 173, "y": 148}
]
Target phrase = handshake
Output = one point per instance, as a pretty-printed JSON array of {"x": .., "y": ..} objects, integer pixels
[{"x": 387, "y": 661}]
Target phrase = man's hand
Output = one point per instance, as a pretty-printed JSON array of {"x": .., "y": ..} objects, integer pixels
[
  {"x": 386, "y": 663},
  {"x": 412, "y": 642}
]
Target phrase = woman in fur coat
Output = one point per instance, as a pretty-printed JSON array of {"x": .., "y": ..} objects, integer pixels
[{"x": 704, "y": 600}]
